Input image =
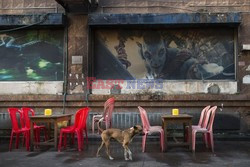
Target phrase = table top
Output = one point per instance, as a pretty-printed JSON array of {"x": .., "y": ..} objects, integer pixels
[
  {"x": 51, "y": 116},
  {"x": 180, "y": 116}
]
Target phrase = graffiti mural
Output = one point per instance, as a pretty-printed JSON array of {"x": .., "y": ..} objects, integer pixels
[
  {"x": 32, "y": 55},
  {"x": 170, "y": 54}
]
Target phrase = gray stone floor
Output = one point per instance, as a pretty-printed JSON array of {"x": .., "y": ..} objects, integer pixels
[{"x": 227, "y": 153}]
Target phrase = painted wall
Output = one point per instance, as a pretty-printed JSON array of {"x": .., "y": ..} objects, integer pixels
[
  {"x": 31, "y": 55},
  {"x": 167, "y": 54}
]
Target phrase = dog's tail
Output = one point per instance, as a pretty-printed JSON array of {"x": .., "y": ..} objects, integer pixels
[{"x": 98, "y": 125}]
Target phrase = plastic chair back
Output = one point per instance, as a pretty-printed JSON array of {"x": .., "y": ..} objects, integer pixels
[
  {"x": 211, "y": 121},
  {"x": 77, "y": 118},
  {"x": 83, "y": 118},
  {"x": 144, "y": 118},
  {"x": 207, "y": 117},
  {"x": 203, "y": 112},
  {"x": 26, "y": 111},
  {"x": 108, "y": 107},
  {"x": 108, "y": 110},
  {"x": 14, "y": 120}
]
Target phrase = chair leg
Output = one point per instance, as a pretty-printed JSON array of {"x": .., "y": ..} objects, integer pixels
[
  {"x": 93, "y": 125},
  {"x": 73, "y": 138},
  {"x": 211, "y": 141},
  {"x": 64, "y": 140},
  {"x": 186, "y": 137},
  {"x": 86, "y": 133},
  {"x": 98, "y": 130},
  {"x": 38, "y": 135},
  {"x": 82, "y": 139},
  {"x": 11, "y": 139},
  {"x": 45, "y": 134},
  {"x": 205, "y": 139},
  {"x": 17, "y": 140},
  {"x": 162, "y": 141},
  {"x": 23, "y": 140},
  {"x": 27, "y": 140},
  {"x": 35, "y": 136},
  {"x": 193, "y": 140},
  {"x": 144, "y": 138},
  {"x": 79, "y": 141}
]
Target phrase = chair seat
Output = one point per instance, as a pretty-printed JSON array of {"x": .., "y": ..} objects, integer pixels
[
  {"x": 153, "y": 129},
  {"x": 97, "y": 116},
  {"x": 39, "y": 126},
  {"x": 70, "y": 129},
  {"x": 195, "y": 126},
  {"x": 67, "y": 130},
  {"x": 200, "y": 129},
  {"x": 21, "y": 130}
]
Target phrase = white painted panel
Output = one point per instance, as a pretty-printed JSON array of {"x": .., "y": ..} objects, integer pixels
[
  {"x": 246, "y": 79},
  {"x": 176, "y": 87},
  {"x": 246, "y": 46},
  {"x": 31, "y": 87}
]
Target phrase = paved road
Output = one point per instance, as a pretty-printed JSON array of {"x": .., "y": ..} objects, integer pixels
[{"x": 227, "y": 153}]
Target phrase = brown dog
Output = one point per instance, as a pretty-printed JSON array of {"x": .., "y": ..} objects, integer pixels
[{"x": 124, "y": 137}]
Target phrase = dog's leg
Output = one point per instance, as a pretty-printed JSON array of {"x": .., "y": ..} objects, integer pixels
[
  {"x": 125, "y": 152},
  {"x": 107, "y": 143},
  {"x": 97, "y": 154},
  {"x": 130, "y": 154}
]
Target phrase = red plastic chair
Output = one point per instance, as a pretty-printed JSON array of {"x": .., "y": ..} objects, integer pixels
[
  {"x": 106, "y": 117},
  {"x": 78, "y": 128},
  {"x": 77, "y": 117},
  {"x": 206, "y": 128},
  {"x": 37, "y": 128},
  {"x": 203, "y": 113},
  {"x": 16, "y": 129},
  {"x": 147, "y": 129}
]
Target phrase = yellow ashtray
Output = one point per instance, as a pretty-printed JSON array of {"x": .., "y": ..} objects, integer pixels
[
  {"x": 48, "y": 112},
  {"x": 175, "y": 111}
]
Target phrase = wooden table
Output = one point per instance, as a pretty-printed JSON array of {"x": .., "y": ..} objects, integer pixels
[
  {"x": 52, "y": 119},
  {"x": 178, "y": 119}
]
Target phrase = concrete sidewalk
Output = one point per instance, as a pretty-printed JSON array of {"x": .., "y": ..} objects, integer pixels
[{"x": 227, "y": 153}]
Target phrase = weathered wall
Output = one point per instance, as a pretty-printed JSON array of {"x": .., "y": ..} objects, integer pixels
[
  {"x": 77, "y": 46},
  {"x": 29, "y": 6},
  {"x": 237, "y": 104}
]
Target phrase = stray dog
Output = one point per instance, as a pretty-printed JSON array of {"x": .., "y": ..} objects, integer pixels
[{"x": 124, "y": 137}]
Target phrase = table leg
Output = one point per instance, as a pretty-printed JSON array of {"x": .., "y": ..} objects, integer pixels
[
  {"x": 69, "y": 122},
  {"x": 165, "y": 134},
  {"x": 49, "y": 130},
  {"x": 184, "y": 132},
  {"x": 55, "y": 134},
  {"x": 31, "y": 136},
  {"x": 190, "y": 135}
]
